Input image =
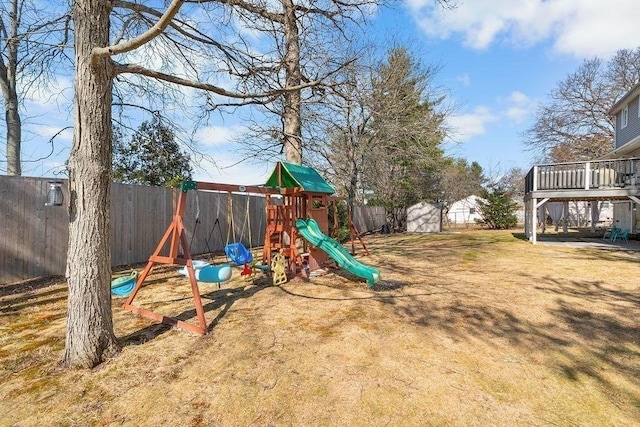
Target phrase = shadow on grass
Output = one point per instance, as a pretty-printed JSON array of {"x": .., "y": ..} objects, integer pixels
[
  {"x": 29, "y": 285},
  {"x": 593, "y": 332},
  {"x": 220, "y": 299},
  {"x": 520, "y": 236},
  {"x": 388, "y": 285},
  {"x": 22, "y": 301}
]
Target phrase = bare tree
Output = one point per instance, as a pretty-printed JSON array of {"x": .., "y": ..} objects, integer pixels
[
  {"x": 90, "y": 336},
  {"x": 574, "y": 125},
  {"x": 623, "y": 71},
  {"x": 31, "y": 41},
  {"x": 513, "y": 183},
  {"x": 384, "y": 125},
  {"x": 457, "y": 179},
  {"x": 306, "y": 43},
  {"x": 346, "y": 152},
  {"x": 321, "y": 43},
  {"x": 343, "y": 135}
]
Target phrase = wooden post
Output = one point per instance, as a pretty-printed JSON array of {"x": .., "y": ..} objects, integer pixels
[
  {"x": 175, "y": 234},
  {"x": 353, "y": 231},
  {"x": 527, "y": 209},
  {"x": 534, "y": 227}
]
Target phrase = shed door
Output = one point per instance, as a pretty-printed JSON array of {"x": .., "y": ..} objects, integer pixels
[{"x": 623, "y": 215}]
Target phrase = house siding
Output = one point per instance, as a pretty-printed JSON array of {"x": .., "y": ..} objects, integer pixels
[{"x": 632, "y": 130}]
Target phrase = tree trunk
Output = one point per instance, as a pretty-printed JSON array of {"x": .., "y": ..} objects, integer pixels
[
  {"x": 292, "y": 139},
  {"x": 354, "y": 175},
  {"x": 8, "y": 76},
  {"x": 90, "y": 337},
  {"x": 14, "y": 125}
]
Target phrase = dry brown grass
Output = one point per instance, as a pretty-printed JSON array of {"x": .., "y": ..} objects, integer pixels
[{"x": 476, "y": 328}]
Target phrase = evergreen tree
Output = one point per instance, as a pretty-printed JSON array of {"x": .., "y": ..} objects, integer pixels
[
  {"x": 343, "y": 231},
  {"x": 152, "y": 157},
  {"x": 497, "y": 209},
  {"x": 403, "y": 159}
]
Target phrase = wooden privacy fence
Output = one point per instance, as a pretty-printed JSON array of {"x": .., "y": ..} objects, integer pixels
[
  {"x": 368, "y": 218},
  {"x": 33, "y": 240}
]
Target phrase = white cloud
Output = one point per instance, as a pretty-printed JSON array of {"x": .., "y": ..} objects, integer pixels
[
  {"x": 518, "y": 97},
  {"x": 218, "y": 135},
  {"x": 223, "y": 167},
  {"x": 466, "y": 126},
  {"x": 514, "y": 108},
  {"x": 517, "y": 114},
  {"x": 518, "y": 106},
  {"x": 46, "y": 132},
  {"x": 221, "y": 161},
  {"x": 575, "y": 27},
  {"x": 464, "y": 80}
]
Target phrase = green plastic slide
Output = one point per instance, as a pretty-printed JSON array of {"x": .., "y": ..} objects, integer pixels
[{"x": 310, "y": 231}]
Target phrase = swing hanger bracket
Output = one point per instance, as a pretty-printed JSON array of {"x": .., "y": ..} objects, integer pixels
[{"x": 188, "y": 185}]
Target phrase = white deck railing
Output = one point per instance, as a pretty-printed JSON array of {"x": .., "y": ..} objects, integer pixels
[{"x": 597, "y": 174}]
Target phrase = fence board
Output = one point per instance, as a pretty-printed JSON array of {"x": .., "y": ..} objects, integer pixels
[{"x": 368, "y": 218}]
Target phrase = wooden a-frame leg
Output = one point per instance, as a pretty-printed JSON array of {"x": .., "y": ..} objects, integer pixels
[{"x": 176, "y": 233}]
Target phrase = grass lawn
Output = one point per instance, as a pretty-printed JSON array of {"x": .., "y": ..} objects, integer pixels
[{"x": 472, "y": 328}]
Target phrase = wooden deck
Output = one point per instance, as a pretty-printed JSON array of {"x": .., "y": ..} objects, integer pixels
[
  {"x": 596, "y": 180},
  {"x": 617, "y": 179}
]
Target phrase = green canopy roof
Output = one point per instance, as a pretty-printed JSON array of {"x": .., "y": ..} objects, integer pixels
[{"x": 288, "y": 175}]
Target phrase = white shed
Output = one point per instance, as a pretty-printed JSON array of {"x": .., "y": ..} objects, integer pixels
[
  {"x": 464, "y": 211},
  {"x": 424, "y": 218}
]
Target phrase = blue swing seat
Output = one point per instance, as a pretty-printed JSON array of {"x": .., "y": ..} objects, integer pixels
[
  {"x": 238, "y": 254},
  {"x": 208, "y": 273},
  {"x": 123, "y": 286}
]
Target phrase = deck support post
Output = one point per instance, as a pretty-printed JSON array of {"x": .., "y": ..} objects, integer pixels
[
  {"x": 536, "y": 205},
  {"x": 527, "y": 209},
  {"x": 534, "y": 223},
  {"x": 634, "y": 218}
]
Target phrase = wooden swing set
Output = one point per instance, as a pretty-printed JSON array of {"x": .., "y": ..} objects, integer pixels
[
  {"x": 301, "y": 193},
  {"x": 174, "y": 249}
]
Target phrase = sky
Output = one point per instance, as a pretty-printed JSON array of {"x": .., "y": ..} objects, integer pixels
[{"x": 498, "y": 60}]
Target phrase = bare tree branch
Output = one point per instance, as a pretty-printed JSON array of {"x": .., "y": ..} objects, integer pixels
[
  {"x": 150, "y": 34},
  {"x": 574, "y": 124},
  {"x": 137, "y": 69}
]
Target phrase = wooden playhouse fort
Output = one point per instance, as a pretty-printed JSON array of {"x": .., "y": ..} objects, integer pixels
[
  {"x": 302, "y": 193},
  {"x": 297, "y": 226}
]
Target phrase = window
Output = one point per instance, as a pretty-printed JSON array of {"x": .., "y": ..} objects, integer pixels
[
  {"x": 472, "y": 211},
  {"x": 624, "y": 120}
]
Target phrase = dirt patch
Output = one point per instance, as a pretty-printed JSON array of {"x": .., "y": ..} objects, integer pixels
[{"x": 473, "y": 328}]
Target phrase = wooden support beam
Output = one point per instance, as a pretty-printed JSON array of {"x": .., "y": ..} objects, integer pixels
[
  {"x": 176, "y": 236},
  {"x": 542, "y": 202},
  {"x": 231, "y": 188}
]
